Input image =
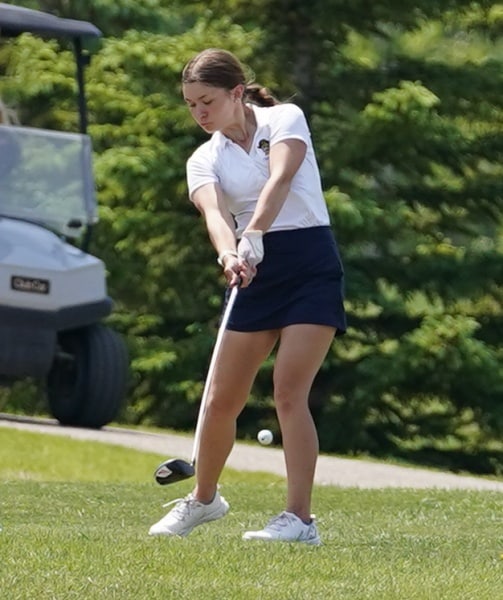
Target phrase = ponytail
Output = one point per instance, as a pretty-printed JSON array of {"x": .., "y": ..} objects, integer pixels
[{"x": 259, "y": 95}]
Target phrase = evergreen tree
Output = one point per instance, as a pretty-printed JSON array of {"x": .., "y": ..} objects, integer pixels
[{"x": 405, "y": 105}]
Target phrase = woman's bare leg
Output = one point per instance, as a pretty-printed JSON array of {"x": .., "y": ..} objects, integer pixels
[
  {"x": 240, "y": 358},
  {"x": 300, "y": 355}
]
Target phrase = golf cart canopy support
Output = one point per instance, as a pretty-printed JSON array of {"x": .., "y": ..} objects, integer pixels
[{"x": 15, "y": 20}]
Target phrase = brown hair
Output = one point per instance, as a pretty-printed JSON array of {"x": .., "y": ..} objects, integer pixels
[{"x": 221, "y": 69}]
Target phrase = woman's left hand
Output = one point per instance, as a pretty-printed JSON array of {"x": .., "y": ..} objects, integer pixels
[{"x": 251, "y": 247}]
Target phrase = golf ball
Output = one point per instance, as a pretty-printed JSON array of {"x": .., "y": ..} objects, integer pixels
[{"x": 265, "y": 437}]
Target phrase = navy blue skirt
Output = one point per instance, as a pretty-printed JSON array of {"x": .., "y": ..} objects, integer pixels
[{"x": 300, "y": 280}]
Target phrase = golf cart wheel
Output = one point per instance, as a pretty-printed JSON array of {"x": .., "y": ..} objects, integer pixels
[{"x": 87, "y": 384}]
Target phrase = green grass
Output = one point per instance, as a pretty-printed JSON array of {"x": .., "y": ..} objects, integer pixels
[{"x": 75, "y": 517}]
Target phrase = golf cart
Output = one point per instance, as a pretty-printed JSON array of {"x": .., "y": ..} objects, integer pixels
[{"x": 53, "y": 295}]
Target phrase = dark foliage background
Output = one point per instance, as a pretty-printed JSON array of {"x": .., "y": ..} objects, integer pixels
[{"x": 405, "y": 104}]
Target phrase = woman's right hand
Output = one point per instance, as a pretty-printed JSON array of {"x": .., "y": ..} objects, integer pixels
[{"x": 238, "y": 272}]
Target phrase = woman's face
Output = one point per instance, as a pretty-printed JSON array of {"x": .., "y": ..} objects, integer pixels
[{"x": 213, "y": 108}]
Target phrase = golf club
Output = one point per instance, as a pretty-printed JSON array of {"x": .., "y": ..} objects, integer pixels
[{"x": 177, "y": 469}]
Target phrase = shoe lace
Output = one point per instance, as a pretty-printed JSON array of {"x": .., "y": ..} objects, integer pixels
[
  {"x": 280, "y": 522},
  {"x": 183, "y": 506}
]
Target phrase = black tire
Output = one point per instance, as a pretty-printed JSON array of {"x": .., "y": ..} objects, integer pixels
[{"x": 88, "y": 381}]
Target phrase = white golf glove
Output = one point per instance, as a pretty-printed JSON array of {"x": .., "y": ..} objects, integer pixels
[{"x": 251, "y": 247}]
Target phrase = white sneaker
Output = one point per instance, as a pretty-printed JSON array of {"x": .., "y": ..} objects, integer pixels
[
  {"x": 189, "y": 513},
  {"x": 286, "y": 527}
]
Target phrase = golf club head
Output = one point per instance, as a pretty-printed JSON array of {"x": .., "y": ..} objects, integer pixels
[{"x": 173, "y": 470}]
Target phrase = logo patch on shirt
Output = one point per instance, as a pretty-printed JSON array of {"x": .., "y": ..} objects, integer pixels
[{"x": 264, "y": 146}]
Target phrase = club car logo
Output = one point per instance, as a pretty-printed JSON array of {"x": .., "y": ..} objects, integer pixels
[{"x": 32, "y": 285}]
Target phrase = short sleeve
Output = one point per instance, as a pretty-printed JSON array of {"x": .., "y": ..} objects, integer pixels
[
  {"x": 289, "y": 122},
  {"x": 200, "y": 170}
]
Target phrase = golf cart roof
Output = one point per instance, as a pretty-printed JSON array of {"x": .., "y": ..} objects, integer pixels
[{"x": 15, "y": 20}]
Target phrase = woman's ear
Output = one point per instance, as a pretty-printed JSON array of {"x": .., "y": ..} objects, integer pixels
[{"x": 237, "y": 92}]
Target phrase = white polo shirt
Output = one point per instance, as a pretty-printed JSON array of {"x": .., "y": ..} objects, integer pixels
[{"x": 242, "y": 176}]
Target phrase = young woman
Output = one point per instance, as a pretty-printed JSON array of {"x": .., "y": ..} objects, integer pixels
[{"x": 257, "y": 184}]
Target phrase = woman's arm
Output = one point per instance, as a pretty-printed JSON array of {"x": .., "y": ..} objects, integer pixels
[
  {"x": 285, "y": 159},
  {"x": 220, "y": 224}
]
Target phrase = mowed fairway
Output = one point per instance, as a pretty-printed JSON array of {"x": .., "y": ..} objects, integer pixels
[{"x": 75, "y": 517}]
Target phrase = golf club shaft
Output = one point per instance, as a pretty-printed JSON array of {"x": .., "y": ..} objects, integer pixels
[{"x": 211, "y": 369}]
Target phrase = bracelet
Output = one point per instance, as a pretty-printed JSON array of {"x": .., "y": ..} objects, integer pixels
[{"x": 222, "y": 255}]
